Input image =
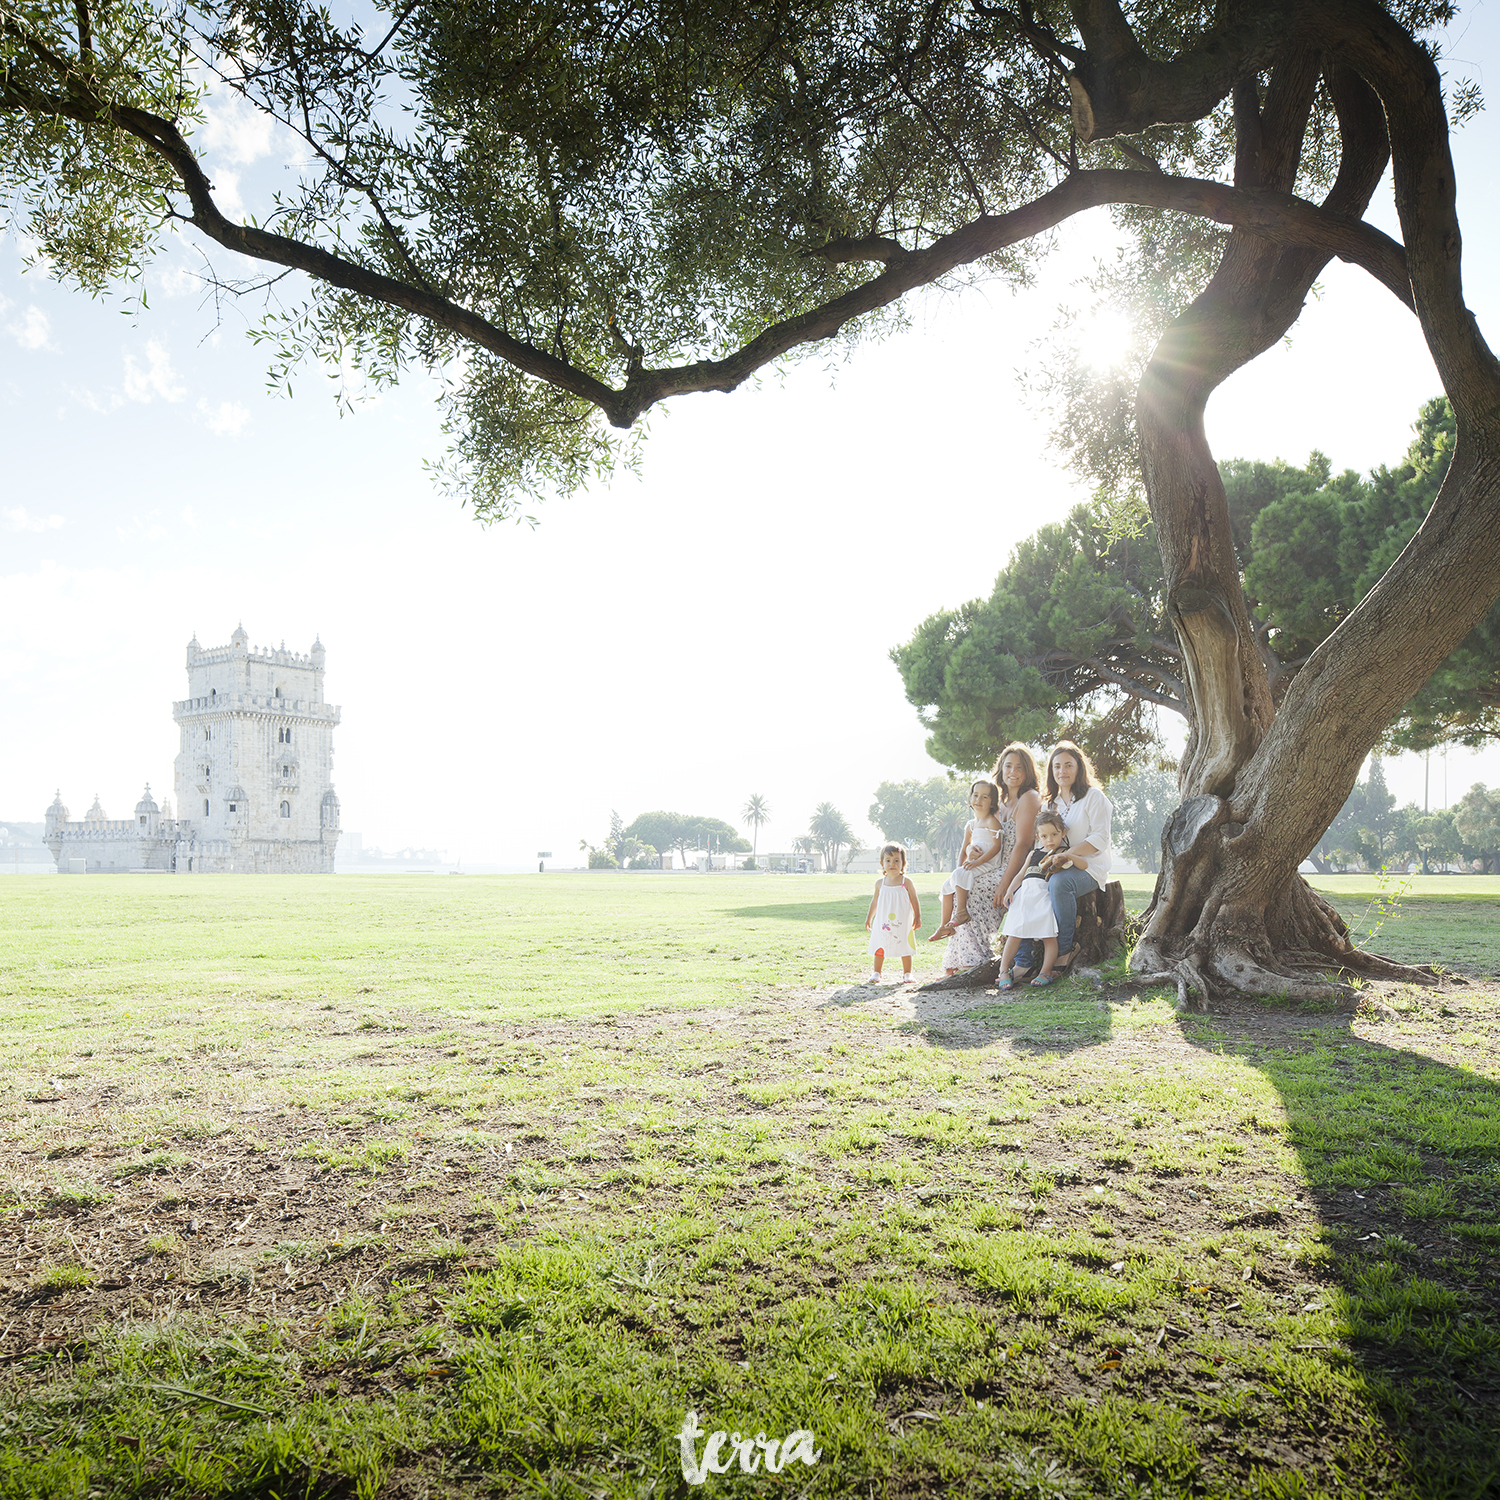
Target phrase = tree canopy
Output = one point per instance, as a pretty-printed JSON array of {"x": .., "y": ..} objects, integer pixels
[
  {"x": 684, "y": 832},
  {"x": 1074, "y": 640},
  {"x": 931, "y": 812},
  {"x": 592, "y": 208}
]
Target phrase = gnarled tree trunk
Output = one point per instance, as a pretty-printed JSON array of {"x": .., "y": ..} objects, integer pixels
[{"x": 1260, "y": 785}]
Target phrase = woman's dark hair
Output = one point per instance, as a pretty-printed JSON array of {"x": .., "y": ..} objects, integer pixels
[
  {"x": 1087, "y": 775},
  {"x": 893, "y": 849},
  {"x": 994, "y": 793},
  {"x": 1032, "y": 784}
]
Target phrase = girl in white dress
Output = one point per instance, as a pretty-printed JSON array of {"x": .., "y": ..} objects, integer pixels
[
  {"x": 1029, "y": 902},
  {"x": 894, "y": 914},
  {"x": 981, "y": 844}
]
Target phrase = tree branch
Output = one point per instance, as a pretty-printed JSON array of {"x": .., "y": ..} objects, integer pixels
[
  {"x": 1275, "y": 216},
  {"x": 1119, "y": 89},
  {"x": 872, "y": 247},
  {"x": 1044, "y": 40},
  {"x": 1136, "y": 689}
]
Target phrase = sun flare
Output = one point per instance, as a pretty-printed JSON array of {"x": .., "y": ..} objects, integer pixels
[{"x": 1105, "y": 339}]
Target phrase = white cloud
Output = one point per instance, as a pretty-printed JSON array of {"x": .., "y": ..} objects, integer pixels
[
  {"x": 225, "y": 420},
  {"x": 235, "y": 131},
  {"x": 18, "y": 518},
  {"x": 178, "y": 281},
  {"x": 32, "y": 331},
  {"x": 188, "y": 517},
  {"x": 156, "y": 380},
  {"x": 227, "y": 191},
  {"x": 86, "y": 398}
]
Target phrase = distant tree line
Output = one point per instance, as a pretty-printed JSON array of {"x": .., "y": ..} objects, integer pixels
[
  {"x": 641, "y": 845},
  {"x": 1370, "y": 830}
]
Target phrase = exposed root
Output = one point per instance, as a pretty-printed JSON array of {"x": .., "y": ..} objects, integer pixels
[
  {"x": 1240, "y": 973},
  {"x": 1374, "y": 966},
  {"x": 980, "y": 977}
]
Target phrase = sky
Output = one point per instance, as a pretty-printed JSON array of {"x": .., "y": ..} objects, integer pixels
[{"x": 718, "y": 625}]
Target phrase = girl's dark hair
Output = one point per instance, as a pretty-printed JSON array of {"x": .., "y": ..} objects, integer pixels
[
  {"x": 1032, "y": 783},
  {"x": 1087, "y": 775},
  {"x": 1052, "y": 820},
  {"x": 893, "y": 849},
  {"x": 994, "y": 792}
]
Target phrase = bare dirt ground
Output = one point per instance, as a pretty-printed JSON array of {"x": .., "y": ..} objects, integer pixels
[{"x": 242, "y": 1226}]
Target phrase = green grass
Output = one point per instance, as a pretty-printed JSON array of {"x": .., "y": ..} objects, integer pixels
[{"x": 405, "y": 1187}]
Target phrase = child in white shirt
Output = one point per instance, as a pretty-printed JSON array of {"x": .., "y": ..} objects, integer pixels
[{"x": 981, "y": 844}]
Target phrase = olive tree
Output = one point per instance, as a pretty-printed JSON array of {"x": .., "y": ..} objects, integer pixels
[{"x": 575, "y": 210}]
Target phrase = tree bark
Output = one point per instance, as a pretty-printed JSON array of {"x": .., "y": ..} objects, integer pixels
[{"x": 1261, "y": 784}]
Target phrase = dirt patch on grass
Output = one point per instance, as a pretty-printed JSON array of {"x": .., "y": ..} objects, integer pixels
[{"x": 288, "y": 1211}]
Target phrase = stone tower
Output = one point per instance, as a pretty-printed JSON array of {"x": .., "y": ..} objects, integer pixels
[{"x": 254, "y": 771}]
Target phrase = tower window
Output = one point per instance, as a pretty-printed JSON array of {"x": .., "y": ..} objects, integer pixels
[
  {"x": 286, "y": 770},
  {"x": 286, "y": 809},
  {"x": 205, "y": 807},
  {"x": 208, "y": 734},
  {"x": 233, "y": 807},
  {"x": 143, "y": 820}
]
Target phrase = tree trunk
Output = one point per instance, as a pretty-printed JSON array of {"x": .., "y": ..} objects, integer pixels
[{"x": 1260, "y": 786}]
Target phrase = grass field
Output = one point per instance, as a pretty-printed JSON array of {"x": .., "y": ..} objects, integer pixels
[{"x": 430, "y": 1186}]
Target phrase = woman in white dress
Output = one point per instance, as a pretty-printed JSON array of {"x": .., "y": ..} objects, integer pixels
[
  {"x": 1020, "y": 800},
  {"x": 1073, "y": 790}
]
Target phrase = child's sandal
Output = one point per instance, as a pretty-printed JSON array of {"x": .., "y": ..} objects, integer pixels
[{"x": 1042, "y": 980}]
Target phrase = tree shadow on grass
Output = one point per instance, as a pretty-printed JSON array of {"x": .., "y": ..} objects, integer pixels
[
  {"x": 844, "y": 913},
  {"x": 1401, "y": 1155}
]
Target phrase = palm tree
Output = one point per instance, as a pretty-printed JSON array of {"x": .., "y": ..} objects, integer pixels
[
  {"x": 945, "y": 832},
  {"x": 755, "y": 812},
  {"x": 830, "y": 830}
]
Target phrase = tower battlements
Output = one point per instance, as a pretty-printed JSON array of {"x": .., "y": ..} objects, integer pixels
[{"x": 276, "y": 655}]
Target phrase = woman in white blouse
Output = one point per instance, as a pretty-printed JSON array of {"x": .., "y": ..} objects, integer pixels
[{"x": 1073, "y": 790}]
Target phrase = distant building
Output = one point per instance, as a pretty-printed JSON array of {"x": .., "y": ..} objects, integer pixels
[
  {"x": 798, "y": 862},
  {"x": 254, "y": 776}
]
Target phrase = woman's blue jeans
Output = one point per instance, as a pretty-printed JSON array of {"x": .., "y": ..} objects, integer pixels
[{"x": 1064, "y": 888}]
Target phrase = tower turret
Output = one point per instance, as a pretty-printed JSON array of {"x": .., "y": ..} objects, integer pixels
[
  {"x": 57, "y": 815},
  {"x": 147, "y": 813}
]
